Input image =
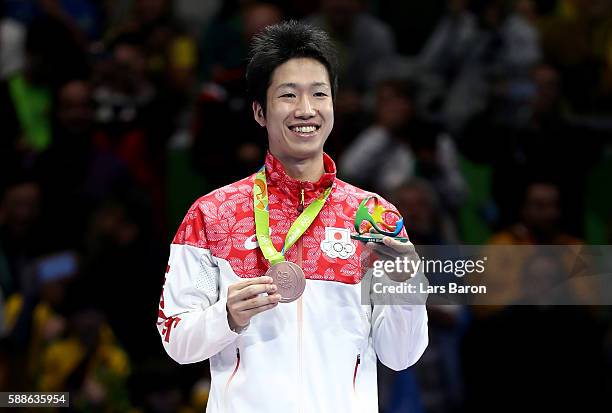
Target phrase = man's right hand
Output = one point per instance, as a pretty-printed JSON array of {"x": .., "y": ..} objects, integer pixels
[{"x": 244, "y": 300}]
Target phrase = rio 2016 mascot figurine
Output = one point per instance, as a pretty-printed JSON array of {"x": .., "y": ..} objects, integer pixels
[{"x": 375, "y": 227}]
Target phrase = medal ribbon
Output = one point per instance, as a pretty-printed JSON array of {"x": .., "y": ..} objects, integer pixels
[{"x": 262, "y": 219}]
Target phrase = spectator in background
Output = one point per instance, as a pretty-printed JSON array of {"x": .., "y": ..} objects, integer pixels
[
  {"x": 121, "y": 253},
  {"x": 426, "y": 221},
  {"x": 521, "y": 38},
  {"x": 540, "y": 219},
  {"x": 381, "y": 158},
  {"x": 541, "y": 215},
  {"x": 227, "y": 144},
  {"x": 12, "y": 44},
  {"x": 223, "y": 45},
  {"x": 544, "y": 277},
  {"x": 89, "y": 364},
  {"x": 76, "y": 175},
  {"x": 399, "y": 146},
  {"x": 449, "y": 43},
  {"x": 363, "y": 42},
  {"x": 539, "y": 142},
  {"x": 20, "y": 235},
  {"x": 66, "y": 168},
  {"x": 52, "y": 56},
  {"x": 169, "y": 61},
  {"x": 122, "y": 85},
  {"x": 443, "y": 54},
  {"x": 152, "y": 21},
  {"x": 577, "y": 39},
  {"x": 132, "y": 126},
  {"x": 36, "y": 314},
  {"x": 513, "y": 86},
  {"x": 196, "y": 14},
  {"x": 505, "y": 45},
  {"x": 364, "y": 45}
]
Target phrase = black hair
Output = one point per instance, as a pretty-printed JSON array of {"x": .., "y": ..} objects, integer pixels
[{"x": 281, "y": 42}]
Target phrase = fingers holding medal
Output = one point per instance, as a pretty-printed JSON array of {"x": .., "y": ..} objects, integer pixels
[
  {"x": 289, "y": 279},
  {"x": 248, "y": 298}
]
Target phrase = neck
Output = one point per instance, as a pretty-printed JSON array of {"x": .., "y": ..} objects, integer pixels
[{"x": 309, "y": 169}]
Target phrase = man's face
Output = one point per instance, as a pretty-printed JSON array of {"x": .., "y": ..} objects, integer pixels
[
  {"x": 542, "y": 212},
  {"x": 74, "y": 109},
  {"x": 416, "y": 207},
  {"x": 546, "y": 80},
  {"x": 394, "y": 110},
  {"x": 20, "y": 208},
  {"x": 300, "y": 112}
]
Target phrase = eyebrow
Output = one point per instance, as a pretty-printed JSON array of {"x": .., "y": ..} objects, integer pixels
[{"x": 295, "y": 85}]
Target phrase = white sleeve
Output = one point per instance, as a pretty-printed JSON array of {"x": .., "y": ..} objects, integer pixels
[
  {"x": 399, "y": 334},
  {"x": 192, "y": 319},
  {"x": 399, "y": 321}
]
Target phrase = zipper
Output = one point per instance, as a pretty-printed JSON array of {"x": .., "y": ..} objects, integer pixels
[
  {"x": 357, "y": 363},
  {"x": 300, "y": 321},
  {"x": 300, "y": 206},
  {"x": 229, "y": 380}
]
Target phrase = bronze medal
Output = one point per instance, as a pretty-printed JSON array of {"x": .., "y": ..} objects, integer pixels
[{"x": 289, "y": 279}]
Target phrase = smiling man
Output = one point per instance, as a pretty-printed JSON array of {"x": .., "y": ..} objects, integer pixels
[
  {"x": 299, "y": 116},
  {"x": 263, "y": 278}
]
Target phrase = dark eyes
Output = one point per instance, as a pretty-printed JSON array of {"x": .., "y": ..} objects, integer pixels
[{"x": 292, "y": 95}]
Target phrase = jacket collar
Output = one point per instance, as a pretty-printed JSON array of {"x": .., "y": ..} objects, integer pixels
[{"x": 278, "y": 178}]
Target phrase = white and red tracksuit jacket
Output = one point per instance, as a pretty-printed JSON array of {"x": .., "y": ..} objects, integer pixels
[{"x": 316, "y": 354}]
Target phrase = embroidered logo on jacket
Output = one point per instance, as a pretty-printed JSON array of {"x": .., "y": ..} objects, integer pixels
[
  {"x": 251, "y": 242},
  {"x": 337, "y": 243}
]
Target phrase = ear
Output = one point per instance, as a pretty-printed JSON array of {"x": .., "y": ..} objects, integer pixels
[{"x": 258, "y": 114}]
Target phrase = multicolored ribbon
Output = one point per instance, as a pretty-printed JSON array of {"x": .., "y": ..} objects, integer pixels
[{"x": 262, "y": 219}]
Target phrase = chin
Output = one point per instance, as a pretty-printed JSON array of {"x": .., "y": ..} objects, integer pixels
[
  {"x": 305, "y": 152},
  {"x": 298, "y": 150}
]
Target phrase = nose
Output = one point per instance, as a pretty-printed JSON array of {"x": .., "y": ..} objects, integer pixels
[{"x": 304, "y": 108}]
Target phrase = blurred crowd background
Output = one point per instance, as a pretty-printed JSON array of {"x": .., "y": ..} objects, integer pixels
[{"x": 485, "y": 122}]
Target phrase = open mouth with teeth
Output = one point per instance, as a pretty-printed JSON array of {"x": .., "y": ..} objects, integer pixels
[{"x": 304, "y": 130}]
